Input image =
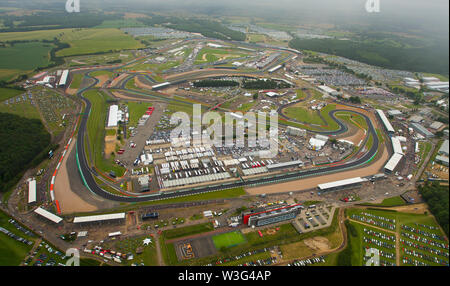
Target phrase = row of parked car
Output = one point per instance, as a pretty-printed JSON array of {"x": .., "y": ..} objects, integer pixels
[{"x": 307, "y": 262}]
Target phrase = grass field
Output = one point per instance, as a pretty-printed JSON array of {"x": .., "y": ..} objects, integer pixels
[
  {"x": 390, "y": 202},
  {"x": 136, "y": 110},
  {"x": 129, "y": 245},
  {"x": 24, "y": 109},
  {"x": 188, "y": 230},
  {"x": 90, "y": 41},
  {"x": 256, "y": 38},
  {"x": 96, "y": 132},
  {"x": 76, "y": 81},
  {"x": 209, "y": 55},
  {"x": 7, "y": 93},
  {"x": 229, "y": 239},
  {"x": 101, "y": 73},
  {"x": 302, "y": 114},
  {"x": 23, "y": 58},
  {"x": 12, "y": 252},
  {"x": 424, "y": 149}
]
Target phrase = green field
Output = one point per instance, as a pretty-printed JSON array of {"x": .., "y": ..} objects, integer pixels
[
  {"x": 23, "y": 109},
  {"x": 307, "y": 116},
  {"x": 188, "y": 230},
  {"x": 209, "y": 55},
  {"x": 96, "y": 132},
  {"x": 91, "y": 41},
  {"x": 136, "y": 110},
  {"x": 22, "y": 58},
  {"x": 7, "y": 93},
  {"x": 100, "y": 73},
  {"x": 148, "y": 257},
  {"x": 229, "y": 239},
  {"x": 256, "y": 38},
  {"x": 12, "y": 252},
  {"x": 390, "y": 202},
  {"x": 76, "y": 81}
]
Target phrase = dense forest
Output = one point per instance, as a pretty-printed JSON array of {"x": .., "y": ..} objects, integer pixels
[
  {"x": 24, "y": 143},
  {"x": 433, "y": 58},
  {"x": 437, "y": 198},
  {"x": 264, "y": 84},
  {"x": 215, "y": 83},
  {"x": 53, "y": 20}
]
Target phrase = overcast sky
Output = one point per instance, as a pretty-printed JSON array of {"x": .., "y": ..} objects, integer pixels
[{"x": 424, "y": 15}]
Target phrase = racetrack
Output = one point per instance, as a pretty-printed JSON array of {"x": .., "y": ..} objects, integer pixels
[{"x": 89, "y": 181}]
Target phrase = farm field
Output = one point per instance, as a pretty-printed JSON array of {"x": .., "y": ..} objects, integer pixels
[
  {"x": 100, "y": 59},
  {"x": 22, "y": 58},
  {"x": 91, "y": 41}
]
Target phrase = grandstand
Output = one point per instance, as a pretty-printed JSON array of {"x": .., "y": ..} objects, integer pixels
[
  {"x": 387, "y": 125},
  {"x": 342, "y": 184},
  {"x": 99, "y": 218}
]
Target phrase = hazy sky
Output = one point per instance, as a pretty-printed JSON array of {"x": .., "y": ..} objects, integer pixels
[{"x": 420, "y": 15}]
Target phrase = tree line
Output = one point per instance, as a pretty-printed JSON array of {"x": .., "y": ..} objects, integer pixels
[
  {"x": 24, "y": 143},
  {"x": 264, "y": 84},
  {"x": 215, "y": 83},
  {"x": 437, "y": 198}
]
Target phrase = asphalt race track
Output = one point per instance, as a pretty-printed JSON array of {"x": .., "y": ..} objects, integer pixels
[
  {"x": 93, "y": 187},
  {"x": 90, "y": 183}
]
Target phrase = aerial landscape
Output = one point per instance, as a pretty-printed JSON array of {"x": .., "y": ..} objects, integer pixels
[{"x": 243, "y": 133}]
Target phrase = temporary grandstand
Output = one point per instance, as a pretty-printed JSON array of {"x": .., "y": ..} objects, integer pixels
[
  {"x": 113, "y": 118},
  {"x": 289, "y": 164},
  {"x": 385, "y": 121},
  {"x": 342, "y": 184},
  {"x": 195, "y": 180},
  {"x": 396, "y": 145},
  {"x": 32, "y": 191},
  {"x": 393, "y": 163},
  {"x": 161, "y": 85},
  {"x": 63, "y": 79},
  {"x": 99, "y": 218},
  {"x": 48, "y": 215}
]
